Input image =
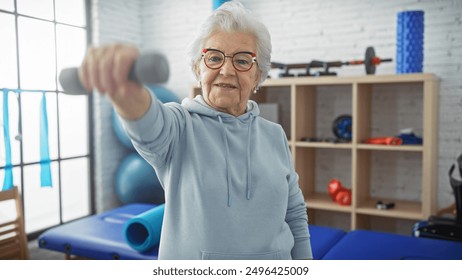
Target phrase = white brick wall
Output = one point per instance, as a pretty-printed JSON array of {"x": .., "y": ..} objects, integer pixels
[
  {"x": 301, "y": 31},
  {"x": 169, "y": 26},
  {"x": 113, "y": 21}
]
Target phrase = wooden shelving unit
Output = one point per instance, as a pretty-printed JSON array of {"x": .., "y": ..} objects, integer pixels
[{"x": 359, "y": 92}]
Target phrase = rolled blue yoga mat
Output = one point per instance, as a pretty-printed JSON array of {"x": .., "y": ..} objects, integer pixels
[{"x": 142, "y": 232}]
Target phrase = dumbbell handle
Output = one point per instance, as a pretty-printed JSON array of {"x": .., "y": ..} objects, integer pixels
[
  {"x": 374, "y": 61},
  {"x": 149, "y": 68}
]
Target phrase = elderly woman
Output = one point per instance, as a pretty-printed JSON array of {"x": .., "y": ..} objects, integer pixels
[{"x": 231, "y": 190}]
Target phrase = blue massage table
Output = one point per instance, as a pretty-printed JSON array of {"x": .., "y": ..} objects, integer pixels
[
  {"x": 373, "y": 245},
  {"x": 323, "y": 239},
  {"x": 97, "y": 237}
]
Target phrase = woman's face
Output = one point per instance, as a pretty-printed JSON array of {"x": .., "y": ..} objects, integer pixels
[{"x": 227, "y": 89}]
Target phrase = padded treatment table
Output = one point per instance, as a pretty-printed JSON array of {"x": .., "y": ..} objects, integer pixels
[
  {"x": 372, "y": 245},
  {"x": 98, "y": 236},
  {"x": 323, "y": 238}
]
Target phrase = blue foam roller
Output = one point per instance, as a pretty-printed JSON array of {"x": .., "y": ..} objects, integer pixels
[
  {"x": 410, "y": 41},
  {"x": 142, "y": 232}
]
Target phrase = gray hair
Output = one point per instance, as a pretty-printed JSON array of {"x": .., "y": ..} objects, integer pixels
[{"x": 233, "y": 16}]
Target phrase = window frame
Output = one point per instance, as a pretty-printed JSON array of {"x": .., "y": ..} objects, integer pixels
[{"x": 90, "y": 155}]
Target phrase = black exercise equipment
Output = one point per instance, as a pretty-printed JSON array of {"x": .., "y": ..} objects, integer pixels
[
  {"x": 370, "y": 62},
  {"x": 342, "y": 129},
  {"x": 444, "y": 227},
  {"x": 384, "y": 205},
  {"x": 457, "y": 188}
]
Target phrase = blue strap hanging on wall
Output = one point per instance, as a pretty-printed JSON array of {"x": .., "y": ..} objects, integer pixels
[
  {"x": 45, "y": 162},
  {"x": 45, "y": 170},
  {"x": 8, "y": 180}
]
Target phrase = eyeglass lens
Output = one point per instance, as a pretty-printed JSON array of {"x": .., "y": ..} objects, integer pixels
[{"x": 241, "y": 61}]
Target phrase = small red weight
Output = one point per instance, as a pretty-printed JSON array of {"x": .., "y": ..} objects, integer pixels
[
  {"x": 333, "y": 188},
  {"x": 343, "y": 197}
]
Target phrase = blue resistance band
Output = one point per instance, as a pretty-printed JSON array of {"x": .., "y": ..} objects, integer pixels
[
  {"x": 8, "y": 180},
  {"x": 45, "y": 170},
  {"x": 45, "y": 162}
]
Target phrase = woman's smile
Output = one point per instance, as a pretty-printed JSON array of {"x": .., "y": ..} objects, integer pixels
[{"x": 225, "y": 86}]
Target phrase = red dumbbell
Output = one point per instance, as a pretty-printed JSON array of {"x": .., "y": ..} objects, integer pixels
[{"x": 339, "y": 193}]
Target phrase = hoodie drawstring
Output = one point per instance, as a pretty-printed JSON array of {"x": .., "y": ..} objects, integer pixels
[
  {"x": 249, "y": 177},
  {"x": 228, "y": 175}
]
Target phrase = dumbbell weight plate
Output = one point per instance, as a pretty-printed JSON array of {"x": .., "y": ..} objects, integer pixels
[
  {"x": 370, "y": 66},
  {"x": 342, "y": 127}
]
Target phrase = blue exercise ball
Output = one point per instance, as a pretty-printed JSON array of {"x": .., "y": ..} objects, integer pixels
[
  {"x": 162, "y": 93},
  {"x": 120, "y": 132},
  {"x": 137, "y": 182}
]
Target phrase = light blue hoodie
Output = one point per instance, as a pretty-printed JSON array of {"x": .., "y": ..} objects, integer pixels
[{"x": 231, "y": 190}]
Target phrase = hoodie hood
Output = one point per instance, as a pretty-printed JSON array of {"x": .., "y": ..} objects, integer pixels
[{"x": 199, "y": 106}]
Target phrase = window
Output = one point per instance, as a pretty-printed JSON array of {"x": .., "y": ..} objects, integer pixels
[{"x": 44, "y": 132}]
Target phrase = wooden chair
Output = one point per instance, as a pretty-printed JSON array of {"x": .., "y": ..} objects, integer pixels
[{"x": 13, "y": 239}]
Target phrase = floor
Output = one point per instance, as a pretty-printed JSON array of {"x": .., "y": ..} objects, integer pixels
[{"x": 37, "y": 253}]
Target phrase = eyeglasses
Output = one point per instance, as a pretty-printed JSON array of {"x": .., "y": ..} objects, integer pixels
[{"x": 242, "y": 61}]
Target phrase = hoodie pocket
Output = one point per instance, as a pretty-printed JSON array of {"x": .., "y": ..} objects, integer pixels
[{"x": 276, "y": 255}]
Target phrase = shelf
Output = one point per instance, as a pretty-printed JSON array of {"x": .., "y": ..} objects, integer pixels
[
  {"x": 345, "y": 80},
  {"x": 403, "y": 209},
  {"x": 379, "y": 105},
  {"x": 324, "y": 202},
  {"x": 400, "y": 148},
  {"x": 326, "y": 145},
  {"x": 323, "y": 145}
]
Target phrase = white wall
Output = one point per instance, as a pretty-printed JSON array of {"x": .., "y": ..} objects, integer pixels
[
  {"x": 113, "y": 21},
  {"x": 301, "y": 31}
]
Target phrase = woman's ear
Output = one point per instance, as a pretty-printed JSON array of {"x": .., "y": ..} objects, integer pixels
[
  {"x": 257, "y": 79},
  {"x": 197, "y": 71}
]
